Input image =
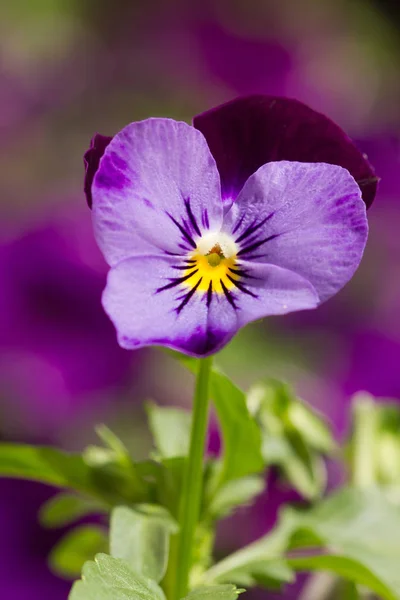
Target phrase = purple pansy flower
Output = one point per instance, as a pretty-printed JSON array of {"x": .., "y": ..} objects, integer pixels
[{"x": 207, "y": 228}]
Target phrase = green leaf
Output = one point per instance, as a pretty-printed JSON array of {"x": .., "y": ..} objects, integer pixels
[
  {"x": 220, "y": 592},
  {"x": 116, "y": 477},
  {"x": 141, "y": 538},
  {"x": 169, "y": 483},
  {"x": 65, "y": 508},
  {"x": 304, "y": 469},
  {"x": 240, "y": 432},
  {"x": 359, "y": 531},
  {"x": 113, "y": 467},
  {"x": 327, "y": 586},
  {"x": 238, "y": 492},
  {"x": 344, "y": 567},
  {"x": 293, "y": 436},
  {"x": 261, "y": 562},
  {"x": 312, "y": 427},
  {"x": 46, "y": 465},
  {"x": 171, "y": 430},
  {"x": 75, "y": 548},
  {"x": 99, "y": 473},
  {"x": 109, "y": 578}
]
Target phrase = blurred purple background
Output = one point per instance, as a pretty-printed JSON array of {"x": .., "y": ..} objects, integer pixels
[{"x": 69, "y": 69}]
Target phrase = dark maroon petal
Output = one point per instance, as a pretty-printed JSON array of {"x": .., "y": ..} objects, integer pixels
[
  {"x": 248, "y": 132},
  {"x": 91, "y": 159}
]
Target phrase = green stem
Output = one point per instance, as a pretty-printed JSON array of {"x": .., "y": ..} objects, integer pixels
[
  {"x": 192, "y": 481},
  {"x": 364, "y": 441}
]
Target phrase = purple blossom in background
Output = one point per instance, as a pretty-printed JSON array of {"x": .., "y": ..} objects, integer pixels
[
  {"x": 205, "y": 234},
  {"x": 25, "y": 545},
  {"x": 57, "y": 346},
  {"x": 241, "y": 62}
]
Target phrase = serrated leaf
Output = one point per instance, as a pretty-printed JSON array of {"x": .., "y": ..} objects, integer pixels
[
  {"x": 359, "y": 532},
  {"x": 75, "y": 548},
  {"x": 220, "y": 592},
  {"x": 141, "y": 538},
  {"x": 170, "y": 428},
  {"x": 238, "y": 492},
  {"x": 64, "y": 508},
  {"x": 109, "y": 578}
]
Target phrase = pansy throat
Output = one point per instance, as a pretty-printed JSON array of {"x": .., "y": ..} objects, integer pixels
[{"x": 212, "y": 268}]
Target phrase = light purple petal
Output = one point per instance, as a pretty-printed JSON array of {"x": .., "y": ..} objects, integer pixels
[
  {"x": 308, "y": 218},
  {"x": 270, "y": 290},
  {"x": 144, "y": 314},
  {"x": 157, "y": 188}
]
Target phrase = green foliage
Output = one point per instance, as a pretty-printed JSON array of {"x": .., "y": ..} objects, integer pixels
[
  {"x": 108, "y": 578},
  {"x": 171, "y": 430},
  {"x": 65, "y": 508},
  {"x": 238, "y": 492},
  {"x": 240, "y": 433},
  {"x": 141, "y": 538},
  {"x": 293, "y": 436},
  {"x": 46, "y": 465},
  {"x": 260, "y": 563},
  {"x": 113, "y": 470},
  {"x": 373, "y": 451},
  {"x": 215, "y": 592},
  {"x": 359, "y": 531},
  {"x": 353, "y": 534},
  {"x": 101, "y": 473},
  {"x": 75, "y": 548},
  {"x": 241, "y": 436}
]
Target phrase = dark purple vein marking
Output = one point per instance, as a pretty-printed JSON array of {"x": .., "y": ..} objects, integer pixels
[
  {"x": 241, "y": 287},
  {"x": 183, "y": 267},
  {"x": 182, "y": 230},
  {"x": 176, "y": 281},
  {"x": 190, "y": 264},
  {"x": 191, "y": 216},
  {"x": 205, "y": 220},
  {"x": 253, "y": 228},
  {"x": 209, "y": 294},
  {"x": 256, "y": 245},
  {"x": 238, "y": 224},
  {"x": 242, "y": 273},
  {"x": 228, "y": 295},
  {"x": 188, "y": 296}
]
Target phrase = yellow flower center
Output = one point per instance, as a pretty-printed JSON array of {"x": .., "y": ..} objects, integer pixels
[{"x": 213, "y": 269}]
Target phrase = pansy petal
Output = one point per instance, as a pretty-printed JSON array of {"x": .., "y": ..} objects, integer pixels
[
  {"x": 248, "y": 132},
  {"x": 308, "y": 218},
  {"x": 270, "y": 290},
  {"x": 147, "y": 308},
  {"x": 91, "y": 160},
  {"x": 157, "y": 188}
]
